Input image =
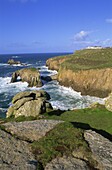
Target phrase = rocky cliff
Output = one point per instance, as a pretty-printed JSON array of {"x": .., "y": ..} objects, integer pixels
[
  {"x": 94, "y": 82},
  {"x": 86, "y": 71},
  {"x": 54, "y": 63}
]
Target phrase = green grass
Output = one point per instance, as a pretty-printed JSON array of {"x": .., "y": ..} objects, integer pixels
[
  {"x": 18, "y": 119},
  {"x": 32, "y": 69},
  {"x": 98, "y": 118},
  {"x": 88, "y": 59},
  {"x": 62, "y": 140}
]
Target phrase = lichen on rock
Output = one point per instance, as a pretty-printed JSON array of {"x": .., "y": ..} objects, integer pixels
[
  {"x": 108, "y": 102},
  {"x": 29, "y": 103}
]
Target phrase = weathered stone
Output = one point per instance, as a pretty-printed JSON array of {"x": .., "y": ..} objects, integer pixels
[
  {"x": 15, "y": 154},
  {"x": 29, "y": 75},
  {"x": 20, "y": 95},
  {"x": 10, "y": 111},
  {"x": 108, "y": 102},
  {"x": 29, "y": 103},
  {"x": 101, "y": 149},
  {"x": 31, "y": 130},
  {"x": 12, "y": 61},
  {"x": 67, "y": 163},
  {"x": 35, "y": 94},
  {"x": 31, "y": 108},
  {"x": 21, "y": 102}
]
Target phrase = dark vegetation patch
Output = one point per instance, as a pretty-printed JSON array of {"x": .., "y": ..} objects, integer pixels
[
  {"x": 62, "y": 140},
  {"x": 18, "y": 119}
]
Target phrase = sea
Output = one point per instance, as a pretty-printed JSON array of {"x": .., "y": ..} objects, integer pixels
[{"x": 61, "y": 97}]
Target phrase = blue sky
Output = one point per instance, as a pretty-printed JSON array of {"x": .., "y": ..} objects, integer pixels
[{"x": 29, "y": 26}]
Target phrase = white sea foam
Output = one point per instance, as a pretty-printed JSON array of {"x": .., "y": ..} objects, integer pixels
[
  {"x": 66, "y": 98},
  {"x": 3, "y": 64},
  {"x": 61, "y": 97},
  {"x": 45, "y": 72},
  {"x": 16, "y": 56},
  {"x": 11, "y": 88},
  {"x": 17, "y": 65}
]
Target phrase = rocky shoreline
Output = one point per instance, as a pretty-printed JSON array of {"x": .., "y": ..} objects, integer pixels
[{"x": 36, "y": 137}]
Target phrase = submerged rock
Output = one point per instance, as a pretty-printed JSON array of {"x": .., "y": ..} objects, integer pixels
[
  {"x": 49, "y": 78},
  {"x": 29, "y": 75},
  {"x": 29, "y": 103}
]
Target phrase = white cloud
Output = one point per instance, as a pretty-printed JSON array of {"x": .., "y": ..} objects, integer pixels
[
  {"x": 109, "y": 20},
  {"x": 81, "y": 36},
  {"x": 107, "y": 42}
]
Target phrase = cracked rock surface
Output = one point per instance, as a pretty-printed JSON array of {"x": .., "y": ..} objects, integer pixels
[
  {"x": 101, "y": 149},
  {"x": 15, "y": 154},
  {"x": 67, "y": 163},
  {"x": 31, "y": 130}
]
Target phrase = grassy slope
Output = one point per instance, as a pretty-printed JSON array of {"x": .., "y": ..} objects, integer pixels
[
  {"x": 88, "y": 59},
  {"x": 98, "y": 118},
  {"x": 69, "y": 136},
  {"x": 62, "y": 140}
]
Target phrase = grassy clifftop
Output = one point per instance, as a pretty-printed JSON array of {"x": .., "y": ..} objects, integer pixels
[
  {"x": 89, "y": 59},
  {"x": 83, "y": 60},
  {"x": 87, "y": 71}
]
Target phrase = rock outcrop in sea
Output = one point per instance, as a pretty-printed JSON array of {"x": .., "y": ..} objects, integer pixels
[
  {"x": 12, "y": 62},
  {"x": 29, "y": 75},
  {"x": 108, "y": 102},
  {"x": 29, "y": 103}
]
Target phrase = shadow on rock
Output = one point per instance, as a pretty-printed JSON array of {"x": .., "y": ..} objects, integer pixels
[
  {"x": 88, "y": 127},
  {"x": 56, "y": 112}
]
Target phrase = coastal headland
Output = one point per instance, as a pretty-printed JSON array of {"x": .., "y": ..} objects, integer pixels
[
  {"x": 34, "y": 136},
  {"x": 87, "y": 71}
]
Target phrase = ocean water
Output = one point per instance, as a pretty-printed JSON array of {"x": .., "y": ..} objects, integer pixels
[{"x": 61, "y": 97}]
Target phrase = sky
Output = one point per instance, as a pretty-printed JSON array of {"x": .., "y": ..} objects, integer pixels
[{"x": 41, "y": 26}]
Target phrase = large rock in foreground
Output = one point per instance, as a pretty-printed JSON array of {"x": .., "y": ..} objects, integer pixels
[
  {"x": 29, "y": 75},
  {"x": 15, "y": 154},
  {"x": 31, "y": 130},
  {"x": 29, "y": 103},
  {"x": 67, "y": 163},
  {"x": 101, "y": 149}
]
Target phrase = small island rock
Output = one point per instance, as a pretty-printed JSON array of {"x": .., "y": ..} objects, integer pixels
[
  {"x": 12, "y": 61},
  {"x": 29, "y": 75}
]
